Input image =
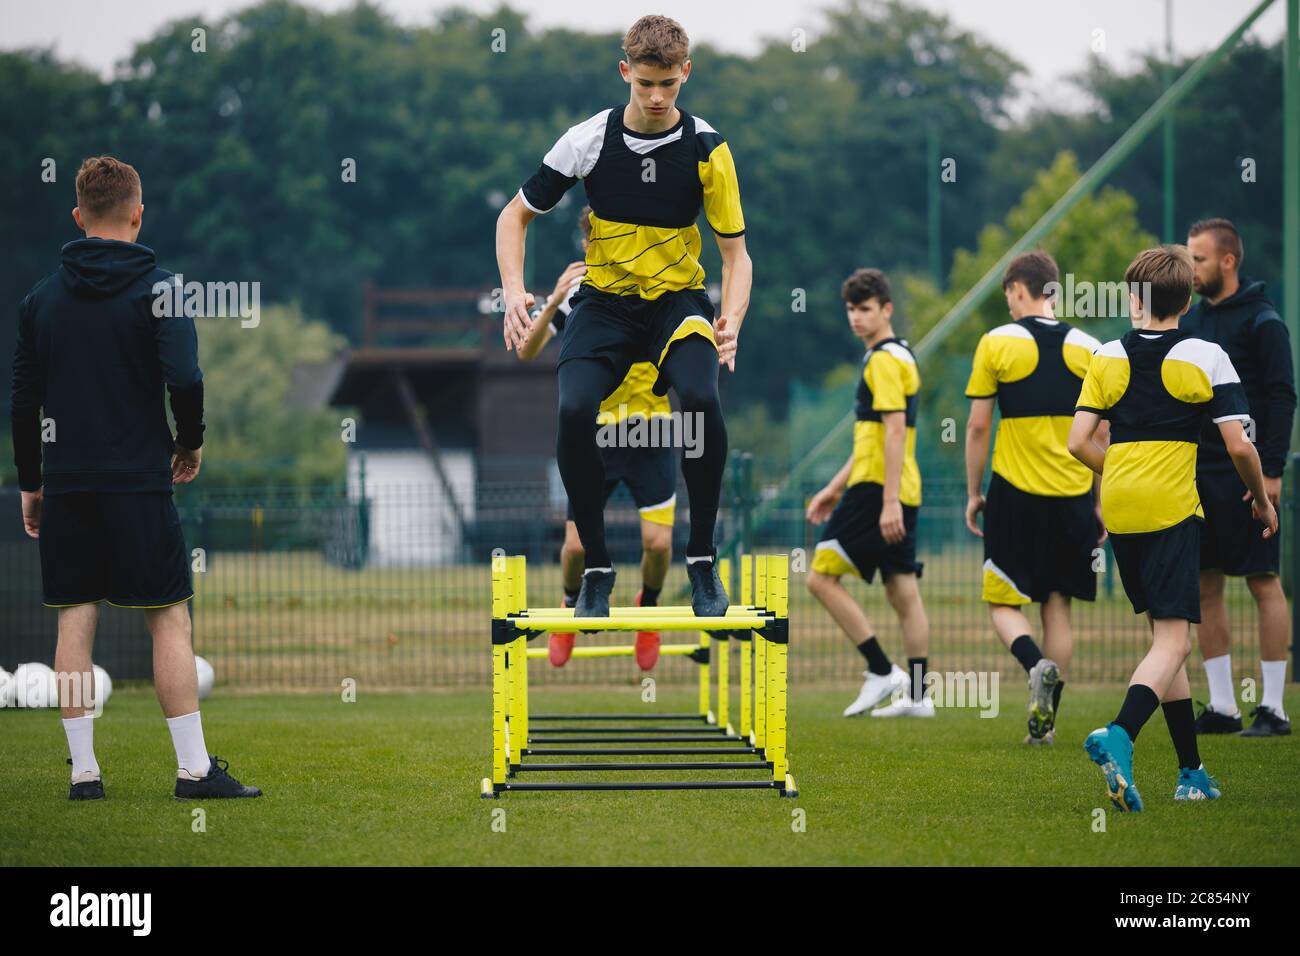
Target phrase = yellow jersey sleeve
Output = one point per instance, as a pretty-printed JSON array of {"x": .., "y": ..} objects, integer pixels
[
  {"x": 885, "y": 378},
  {"x": 722, "y": 192},
  {"x": 983, "y": 382},
  {"x": 1107, "y": 379},
  {"x": 1091, "y": 398}
]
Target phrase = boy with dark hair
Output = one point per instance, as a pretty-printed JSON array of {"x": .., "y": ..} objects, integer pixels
[
  {"x": 1041, "y": 521},
  {"x": 1235, "y": 313},
  {"x": 1156, "y": 385},
  {"x": 93, "y": 356},
  {"x": 650, "y": 473},
  {"x": 875, "y": 498},
  {"x": 648, "y": 169}
]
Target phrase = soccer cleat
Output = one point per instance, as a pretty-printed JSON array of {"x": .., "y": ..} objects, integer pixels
[
  {"x": 1267, "y": 723},
  {"x": 1112, "y": 751},
  {"x": 647, "y": 645},
  {"x": 904, "y": 706},
  {"x": 1047, "y": 738},
  {"x": 560, "y": 646},
  {"x": 708, "y": 597},
  {"x": 86, "y": 786},
  {"x": 1211, "y": 721},
  {"x": 875, "y": 688},
  {"x": 216, "y": 785},
  {"x": 1196, "y": 785},
  {"x": 1043, "y": 678},
  {"x": 593, "y": 599}
]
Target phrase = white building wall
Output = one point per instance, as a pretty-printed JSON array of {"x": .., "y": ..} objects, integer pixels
[{"x": 412, "y": 523}]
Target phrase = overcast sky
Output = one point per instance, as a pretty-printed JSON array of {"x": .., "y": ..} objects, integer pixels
[{"x": 1052, "y": 39}]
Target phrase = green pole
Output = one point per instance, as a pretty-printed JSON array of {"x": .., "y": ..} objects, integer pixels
[
  {"x": 1291, "y": 262},
  {"x": 932, "y": 195},
  {"x": 1167, "y": 72}
]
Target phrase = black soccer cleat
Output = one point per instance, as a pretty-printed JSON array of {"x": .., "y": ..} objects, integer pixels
[
  {"x": 708, "y": 597},
  {"x": 1210, "y": 721},
  {"x": 86, "y": 789},
  {"x": 593, "y": 598},
  {"x": 1268, "y": 723},
  {"x": 216, "y": 785}
]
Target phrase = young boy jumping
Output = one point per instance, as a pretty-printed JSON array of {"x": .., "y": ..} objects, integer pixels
[
  {"x": 648, "y": 168},
  {"x": 875, "y": 498},
  {"x": 1156, "y": 385},
  {"x": 650, "y": 473}
]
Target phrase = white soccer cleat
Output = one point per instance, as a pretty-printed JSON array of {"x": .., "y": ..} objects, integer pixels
[
  {"x": 875, "y": 688},
  {"x": 904, "y": 706}
]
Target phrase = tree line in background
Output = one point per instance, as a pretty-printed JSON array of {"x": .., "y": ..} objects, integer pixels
[{"x": 241, "y": 149}]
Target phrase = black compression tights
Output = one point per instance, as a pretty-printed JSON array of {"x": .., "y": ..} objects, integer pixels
[{"x": 691, "y": 369}]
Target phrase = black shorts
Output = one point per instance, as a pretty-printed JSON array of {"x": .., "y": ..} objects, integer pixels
[
  {"x": 1035, "y": 545},
  {"x": 1159, "y": 570},
  {"x": 852, "y": 542},
  {"x": 126, "y": 549},
  {"x": 650, "y": 475},
  {"x": 1232, "y": 540},
  {"x": 625, "y": 329}
]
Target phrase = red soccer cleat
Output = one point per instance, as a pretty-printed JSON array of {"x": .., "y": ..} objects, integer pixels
[
  {"x": 647, "y": 645},
  {"x": 560, "y": 646}
]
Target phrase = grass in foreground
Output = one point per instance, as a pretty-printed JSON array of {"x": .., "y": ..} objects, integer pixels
[{"x": 393, "y": 779}]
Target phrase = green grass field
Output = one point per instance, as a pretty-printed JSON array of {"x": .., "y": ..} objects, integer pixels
[{"x": 394, "y": 779}]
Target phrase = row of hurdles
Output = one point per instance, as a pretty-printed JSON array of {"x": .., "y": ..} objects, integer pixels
[{"x": 759, "y": 626}]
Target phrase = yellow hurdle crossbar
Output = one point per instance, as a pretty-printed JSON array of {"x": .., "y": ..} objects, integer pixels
[
  {"x": 619, "y": 650},
  {"x": 760, "y": 625}
]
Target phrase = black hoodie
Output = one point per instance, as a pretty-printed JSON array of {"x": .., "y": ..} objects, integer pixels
[
  {"x": 92, "y": 359},
  {"x": 1246, "y": 325}
]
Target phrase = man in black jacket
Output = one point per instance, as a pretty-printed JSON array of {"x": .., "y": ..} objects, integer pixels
[
  {"x": 1235, "y": 313},
  {"x": 96, "y": 344}
]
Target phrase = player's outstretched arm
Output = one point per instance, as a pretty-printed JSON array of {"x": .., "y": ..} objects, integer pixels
[
  {"x": 979, "y": 426},
  {"x": 1246, "y": 460},
  {"x": 891, "y": 512},
  {"x": 512, "y": 228},
  {"x": 541, "y": 332},
  {"x": 823, "y": 503},
  {"x": 1080, "y": 441},
  {"x": 737, "y": 280}
]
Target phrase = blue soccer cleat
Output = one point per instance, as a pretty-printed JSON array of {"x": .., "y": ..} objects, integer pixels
[
  {"x": 1111, "y": 750},
  {"x": 1196, "y": 785}
]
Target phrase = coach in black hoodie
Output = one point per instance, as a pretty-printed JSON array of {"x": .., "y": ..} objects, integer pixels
[
  {"x": 96, "y": 344},
  {"x": 1235, "y": 313}
]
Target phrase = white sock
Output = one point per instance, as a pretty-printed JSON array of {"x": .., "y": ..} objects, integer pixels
[
  {"x": 81, "y": 744},
  {"x": 1219, "y": 671},
  {"x": 704, "y": 557},
  {"x": 187, "y": 738},
  {"x": 1274, "y": 682}
]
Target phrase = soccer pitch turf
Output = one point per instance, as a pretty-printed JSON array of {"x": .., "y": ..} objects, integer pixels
[{"x": 394, "y": 779}]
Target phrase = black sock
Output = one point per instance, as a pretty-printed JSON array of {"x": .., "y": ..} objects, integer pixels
[
  {"x": 1026, "y": 651},
  {"x": 1181, "y": 722},
  {"x": 916, "y": 669},
  {"x": 1139, "y": 704},
  {"x": 571, "y": 596},
  {"x": 1056, "y": 697},
  {"x": 877, "y": 660},
  {"x": 691, "y": 369},
  {"x": 649, "y": 596},
  {"x": 583, "y": 384}
]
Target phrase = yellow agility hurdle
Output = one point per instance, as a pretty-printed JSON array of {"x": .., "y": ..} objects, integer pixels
[{"x": 759, "y": 624}]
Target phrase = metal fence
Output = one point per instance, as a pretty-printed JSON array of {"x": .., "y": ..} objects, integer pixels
[{"x": 300, "y": 589}]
